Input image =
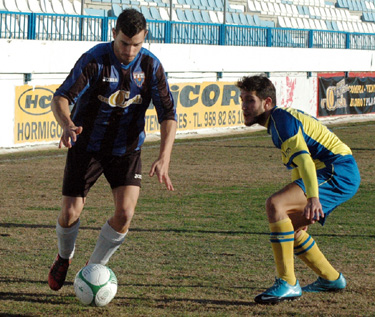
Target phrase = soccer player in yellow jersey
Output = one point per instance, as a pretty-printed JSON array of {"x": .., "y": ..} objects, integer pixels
[{"x": 324, "y": 175}]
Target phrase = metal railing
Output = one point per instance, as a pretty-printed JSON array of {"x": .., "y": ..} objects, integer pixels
[{"x": 55, "y": 27}]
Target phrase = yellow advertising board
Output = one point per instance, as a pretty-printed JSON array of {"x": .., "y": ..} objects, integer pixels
[
  {"x": 34, "y": 120},
  {"x": 199, "y": 106}
]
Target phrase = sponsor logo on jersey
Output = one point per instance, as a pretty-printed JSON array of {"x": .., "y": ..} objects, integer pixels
[
  {"x": 121, "y": 99},
  {"x": 139, "y": 78},
  {"x": 110, "y": 79}
]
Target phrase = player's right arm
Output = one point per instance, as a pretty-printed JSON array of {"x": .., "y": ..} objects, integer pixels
[
  {"x": 61, "y": 111},
  {"x": 306, "y": 169}
]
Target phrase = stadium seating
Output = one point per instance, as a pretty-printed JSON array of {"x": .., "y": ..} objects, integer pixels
[
  {"x": 356, "y": 16},
  {"x": 46, "y": 6},
  {"x": 34, "y": 6},
  {"x": 57, "y": 7},
  {"x": 22, "y": 5},
  {"x": 68, "y": 7},
  {"x": 10, "y": 5}
]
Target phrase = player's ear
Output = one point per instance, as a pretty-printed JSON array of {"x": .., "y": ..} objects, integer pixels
[
  {"x": 269, "y": 103},
  {"x": 114, "y": 33}
]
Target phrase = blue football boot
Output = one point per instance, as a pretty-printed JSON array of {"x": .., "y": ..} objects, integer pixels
[
  {"x": 322, "y": 285},
  {"x": 280, "y": 291}
]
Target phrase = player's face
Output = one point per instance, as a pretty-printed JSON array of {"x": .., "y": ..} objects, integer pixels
[
  {"x": 127, "y": 48},
  {"x": 253, "y": 108}
]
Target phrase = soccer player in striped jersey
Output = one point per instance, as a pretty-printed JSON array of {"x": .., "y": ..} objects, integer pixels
[
  {"x": 324, "y": 175},
  {"x": 111, "y": 87}
]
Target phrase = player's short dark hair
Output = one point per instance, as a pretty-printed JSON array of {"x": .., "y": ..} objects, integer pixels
[
  {"x": 262, "y": 86},
  {"x": 130, "y": 22}
]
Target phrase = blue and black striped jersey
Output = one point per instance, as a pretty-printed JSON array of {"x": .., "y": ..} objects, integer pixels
[
  {"x": 295, "y": 133},
  {"x": 110, "y": 99}
]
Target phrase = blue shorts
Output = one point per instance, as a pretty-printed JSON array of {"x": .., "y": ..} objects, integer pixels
[{"x": 337, "y": 182}]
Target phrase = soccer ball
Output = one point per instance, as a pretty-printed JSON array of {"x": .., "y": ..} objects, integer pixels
[{"x": 95, "y": 285}]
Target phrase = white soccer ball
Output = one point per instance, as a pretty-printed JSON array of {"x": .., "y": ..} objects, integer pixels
[{"x": 95, "y": 285}]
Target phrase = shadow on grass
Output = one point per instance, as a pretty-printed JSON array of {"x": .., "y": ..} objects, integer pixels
[
  {"x": 218, "y": 302},
  {"x": 41, "y": 298},
  {"x": 58, "y": 299},
  {"x": 138, "y": 285},
  {"x": 228, "y": 232}
]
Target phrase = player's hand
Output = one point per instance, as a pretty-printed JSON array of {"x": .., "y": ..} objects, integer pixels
[
  {"x": 160, "y": 168},
  {"x": 69, "y": 134},
  {"x": 313, "y": 210}
]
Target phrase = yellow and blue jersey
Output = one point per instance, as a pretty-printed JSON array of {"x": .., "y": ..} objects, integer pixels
[
  {"x": 295, "y": 132},
  {"x": 322, "y": 165}
]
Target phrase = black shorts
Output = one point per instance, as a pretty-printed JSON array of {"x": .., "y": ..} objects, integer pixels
[{"x": 83, "y": 169}]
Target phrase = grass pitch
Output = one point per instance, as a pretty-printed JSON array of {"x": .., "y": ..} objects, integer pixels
[{"x": 201, "y": 250}]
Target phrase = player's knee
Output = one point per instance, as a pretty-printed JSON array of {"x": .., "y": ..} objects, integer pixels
[
  {"x": 69, "y": 217},
  {"x": 124, "y": 215},
  {"x": 273, "y": 208},
  {"x": 270, "y": 205}
]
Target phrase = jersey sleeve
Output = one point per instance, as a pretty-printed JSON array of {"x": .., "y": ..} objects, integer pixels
[
  {"x": 306, "y": 169},
  {"x": 161, "y": 96},
  {"x": 80, "y": 78},
  {"x": 296, "y": 156}
]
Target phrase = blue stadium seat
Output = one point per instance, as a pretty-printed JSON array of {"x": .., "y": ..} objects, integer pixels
[
  {"x": 213, "y": 6},
  {"x": 206, "y": 17},
  {"x": 300, "y": 10},
  {"x": 363, "y": 5},
  {"x": 196, "y": 4},
  {"x": 307, "y": 11},
  {"x": 335, "y": 27},
  {"x": 219, "y": 4},
  {"x": 341, "y": 4},
  {"x": 257, "y": 21},
  {"x": 366, "y": 17},
  {"x": 250, "y": 19},
  {"x": 160, "y": 3},
  {"x": 329, "y": 25},
  {"x": 181, "y": 15},
  {"x": 198, "y": 16},
  {"x": 189, "y": 15},
  {"x": 116, "y": 10},
  {"x": 205, "y": 5},
  {"x": 96, "y": 12},
  {"x": 146, "y": 12},
  {"x": 243, "y": 19},
  {"x": 155, "y": 14},
  {"x": 236, "y": 18},
  {"x": 229, "y": 18}
]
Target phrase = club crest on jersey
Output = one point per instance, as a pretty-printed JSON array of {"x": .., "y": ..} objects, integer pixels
[{"x": 139, "y": 78}]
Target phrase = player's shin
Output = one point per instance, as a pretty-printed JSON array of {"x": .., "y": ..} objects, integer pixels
[
  {"x": 282, "y": 241},
  {"x": 108, "y": 242},
  {"x": 308, "y": 251},
  {"x": 66, "y": 239}
]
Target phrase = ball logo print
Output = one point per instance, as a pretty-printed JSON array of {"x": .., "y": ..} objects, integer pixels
[{"x": 95, "y": 285}]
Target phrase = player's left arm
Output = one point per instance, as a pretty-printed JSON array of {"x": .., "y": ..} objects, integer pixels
[
  {"x": 306, "y": 168},
  {"x": 161, "y": 165}
]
